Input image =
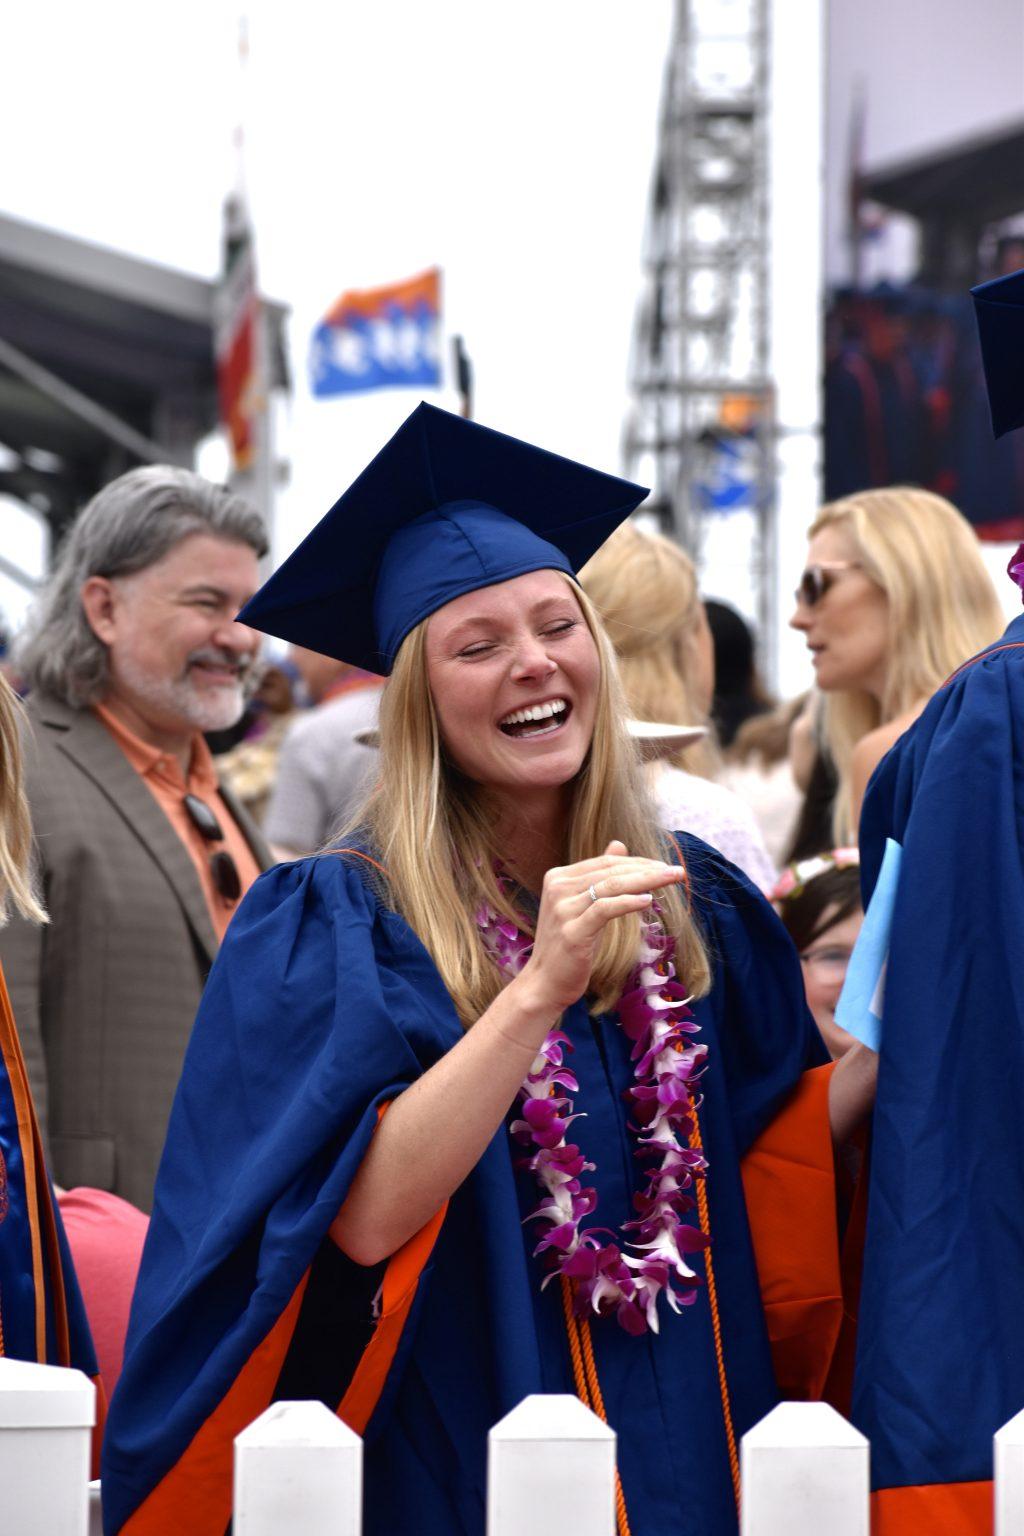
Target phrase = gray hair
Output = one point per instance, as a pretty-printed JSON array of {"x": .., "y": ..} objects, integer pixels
[{"x": 127, "y": 526}]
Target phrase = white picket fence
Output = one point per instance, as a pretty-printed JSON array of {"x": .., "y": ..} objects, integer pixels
[{"x": 551, "y": 1468}]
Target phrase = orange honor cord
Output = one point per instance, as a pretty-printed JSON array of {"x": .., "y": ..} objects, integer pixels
[
  {"x": 35, "y": 1176},
  {"x": 1011, "y": 645},
  {"x": 697, "y": 1145},
  {"x": 682, "y": 865},
  {"x": 588, "y": 1388}
]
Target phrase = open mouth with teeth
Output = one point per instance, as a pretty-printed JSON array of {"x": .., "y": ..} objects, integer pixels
[{"x": 537, "y": 720}]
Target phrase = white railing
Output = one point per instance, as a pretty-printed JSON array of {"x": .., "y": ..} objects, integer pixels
[{"x": 551, "y": 1468}]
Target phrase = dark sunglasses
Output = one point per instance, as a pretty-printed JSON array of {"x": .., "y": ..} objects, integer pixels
[
  {"x": 226, "y": 879},
  {"x": 817, "y": 579}
]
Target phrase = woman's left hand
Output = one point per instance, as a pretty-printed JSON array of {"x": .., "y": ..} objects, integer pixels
[{"x": 851, "y": 1093}]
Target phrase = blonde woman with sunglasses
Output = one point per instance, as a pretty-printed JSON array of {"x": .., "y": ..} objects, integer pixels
[{"x": 893, "y": 598}]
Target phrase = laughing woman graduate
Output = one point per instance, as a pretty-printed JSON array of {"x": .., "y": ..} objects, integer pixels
[{"x": 464, "y": 1111}]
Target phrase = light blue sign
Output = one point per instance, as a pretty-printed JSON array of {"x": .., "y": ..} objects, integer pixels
[{"x": 861, "y": 1006}]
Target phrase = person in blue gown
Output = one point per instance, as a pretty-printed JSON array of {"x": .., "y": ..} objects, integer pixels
[
  {"x": 347, "y": 1207},
  {"x": 940, "y": 1357}
]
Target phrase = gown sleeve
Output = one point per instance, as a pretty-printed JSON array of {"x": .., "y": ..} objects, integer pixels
[
  {"x": 777, "y": 1076},
  {"x": 320, "y": 1009}
]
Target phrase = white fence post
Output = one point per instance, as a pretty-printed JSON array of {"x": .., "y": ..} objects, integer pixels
[
  {"x": 298, "y": 1472},
  {"x": 46, "y": 1419},
  {"x": 805, "y": 1471},
  {"x": 551, "y": 1469},
  {"x": 95, "y": 1509},
  {"x": 1009, "y": 1475}
]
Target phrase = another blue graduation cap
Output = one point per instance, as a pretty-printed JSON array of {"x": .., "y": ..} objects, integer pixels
[
  {"x": 446, "y": 507},
  {"x": 999, "y": 310}
]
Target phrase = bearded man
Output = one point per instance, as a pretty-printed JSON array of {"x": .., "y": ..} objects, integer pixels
[{"x": 132, "y": 653}]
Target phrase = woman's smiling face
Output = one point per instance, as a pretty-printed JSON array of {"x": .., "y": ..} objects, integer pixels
[{"x": 514, "y": 674}]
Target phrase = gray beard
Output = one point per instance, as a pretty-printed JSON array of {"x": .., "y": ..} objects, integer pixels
[{"x": 209, "y": 709}]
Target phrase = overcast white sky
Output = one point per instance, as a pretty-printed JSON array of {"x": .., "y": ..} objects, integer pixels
[{"x": 512, "y": 145}]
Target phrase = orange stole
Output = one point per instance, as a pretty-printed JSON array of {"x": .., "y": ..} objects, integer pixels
[
  {"x": 933, "y": 1509},
  {"x": 195, "y": 1495},
  {"x": 35, "y": 1179},
  {"x": 789, "y": 1182},
  {"x": 401, "y": 1280}
]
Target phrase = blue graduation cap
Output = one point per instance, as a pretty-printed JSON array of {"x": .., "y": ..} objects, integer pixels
[
  {"x": 999, "y": 311},
  {"x": 446, "y": 507}
]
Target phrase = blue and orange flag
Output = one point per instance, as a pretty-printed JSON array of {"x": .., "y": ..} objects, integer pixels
[{"x": 377, "y": 338}]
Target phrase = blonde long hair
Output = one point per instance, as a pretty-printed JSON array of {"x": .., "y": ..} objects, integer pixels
[
  {"x": 15, "y": 825},
  {"x": 645, "y": 589},
  {"x": 433, "y": 835},
  {"x": 943, "y": 609}
]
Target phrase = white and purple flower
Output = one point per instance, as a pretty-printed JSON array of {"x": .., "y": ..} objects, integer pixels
[{"x": 654, "y": 1012}]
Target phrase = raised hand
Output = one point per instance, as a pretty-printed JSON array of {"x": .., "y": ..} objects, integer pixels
[{"x": 578, "y": 901}]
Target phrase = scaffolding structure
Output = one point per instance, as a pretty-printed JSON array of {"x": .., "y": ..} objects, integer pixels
[{"x": 700, "y": 427}]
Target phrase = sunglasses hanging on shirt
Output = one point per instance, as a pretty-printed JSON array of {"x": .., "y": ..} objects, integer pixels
[{"x": 223, "y": 869}]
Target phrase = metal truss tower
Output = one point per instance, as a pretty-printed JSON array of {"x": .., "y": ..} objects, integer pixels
[{"x": 700, "y": 423}]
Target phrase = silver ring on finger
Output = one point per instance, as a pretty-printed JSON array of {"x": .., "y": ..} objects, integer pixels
[{"x": 592, "y": 893}]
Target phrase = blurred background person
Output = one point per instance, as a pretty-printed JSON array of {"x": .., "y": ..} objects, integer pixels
[
  {"x": 893, "y": 598},
  {"x": 739, "y": 692},
  {"x": 131, "y": 654},
  {"x": 814, "y": 775},
  {"x": 325, "y": 765},
  {"x": 757, "y": 767},
  {"x": 645, "y": 589},
  {"x": 818, "y": 900},
  {"x": 248, "y": 766}
]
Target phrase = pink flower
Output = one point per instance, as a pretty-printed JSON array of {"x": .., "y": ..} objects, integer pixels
[{"x": 1015, "y": 569}]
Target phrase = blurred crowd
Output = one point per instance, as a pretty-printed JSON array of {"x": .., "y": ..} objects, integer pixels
[{"x": 905, "y": 400}]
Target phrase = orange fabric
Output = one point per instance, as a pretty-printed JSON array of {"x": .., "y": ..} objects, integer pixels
[
  {"x": 1011, "y": 645},
  {"x": 398, "y": 1292},
  {"x": 682, "y": 865},
  {"x": 789, "y": 1181},
  {"x": 934, "y": 1509},
  {"x": 588, "y": 1387},
  {"x": 35, "y": 1176},
  {"x": 163, "y": 777},
  {"x": 701, "y": 1191},
  {"x": 424, "y": 288},
  {"x": 195, "y": 1495},
  {"x": 401, "y": 1279},
  {"x": 839, "y": 1387}
]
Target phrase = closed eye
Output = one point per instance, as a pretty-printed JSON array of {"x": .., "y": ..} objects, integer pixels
[{"x": 484, "y": 647}]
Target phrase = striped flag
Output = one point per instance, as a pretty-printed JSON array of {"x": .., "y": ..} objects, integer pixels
[{"x": 377, "y": 338}]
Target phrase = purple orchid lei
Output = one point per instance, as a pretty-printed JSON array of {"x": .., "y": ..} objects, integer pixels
[
  {"x": 653, "y": 1012},
  {"x": 1015, "y": 569}
]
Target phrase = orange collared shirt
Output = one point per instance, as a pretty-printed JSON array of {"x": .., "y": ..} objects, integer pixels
[{"x": 162, "y": 775}]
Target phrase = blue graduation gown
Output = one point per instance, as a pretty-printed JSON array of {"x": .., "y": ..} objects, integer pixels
[
  {"x": 321, "y": 1007},
  {"x": 940, "y": 1359}
]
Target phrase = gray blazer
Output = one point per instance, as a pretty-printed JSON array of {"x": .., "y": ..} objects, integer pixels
[{"x": 104, "y": 997}]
